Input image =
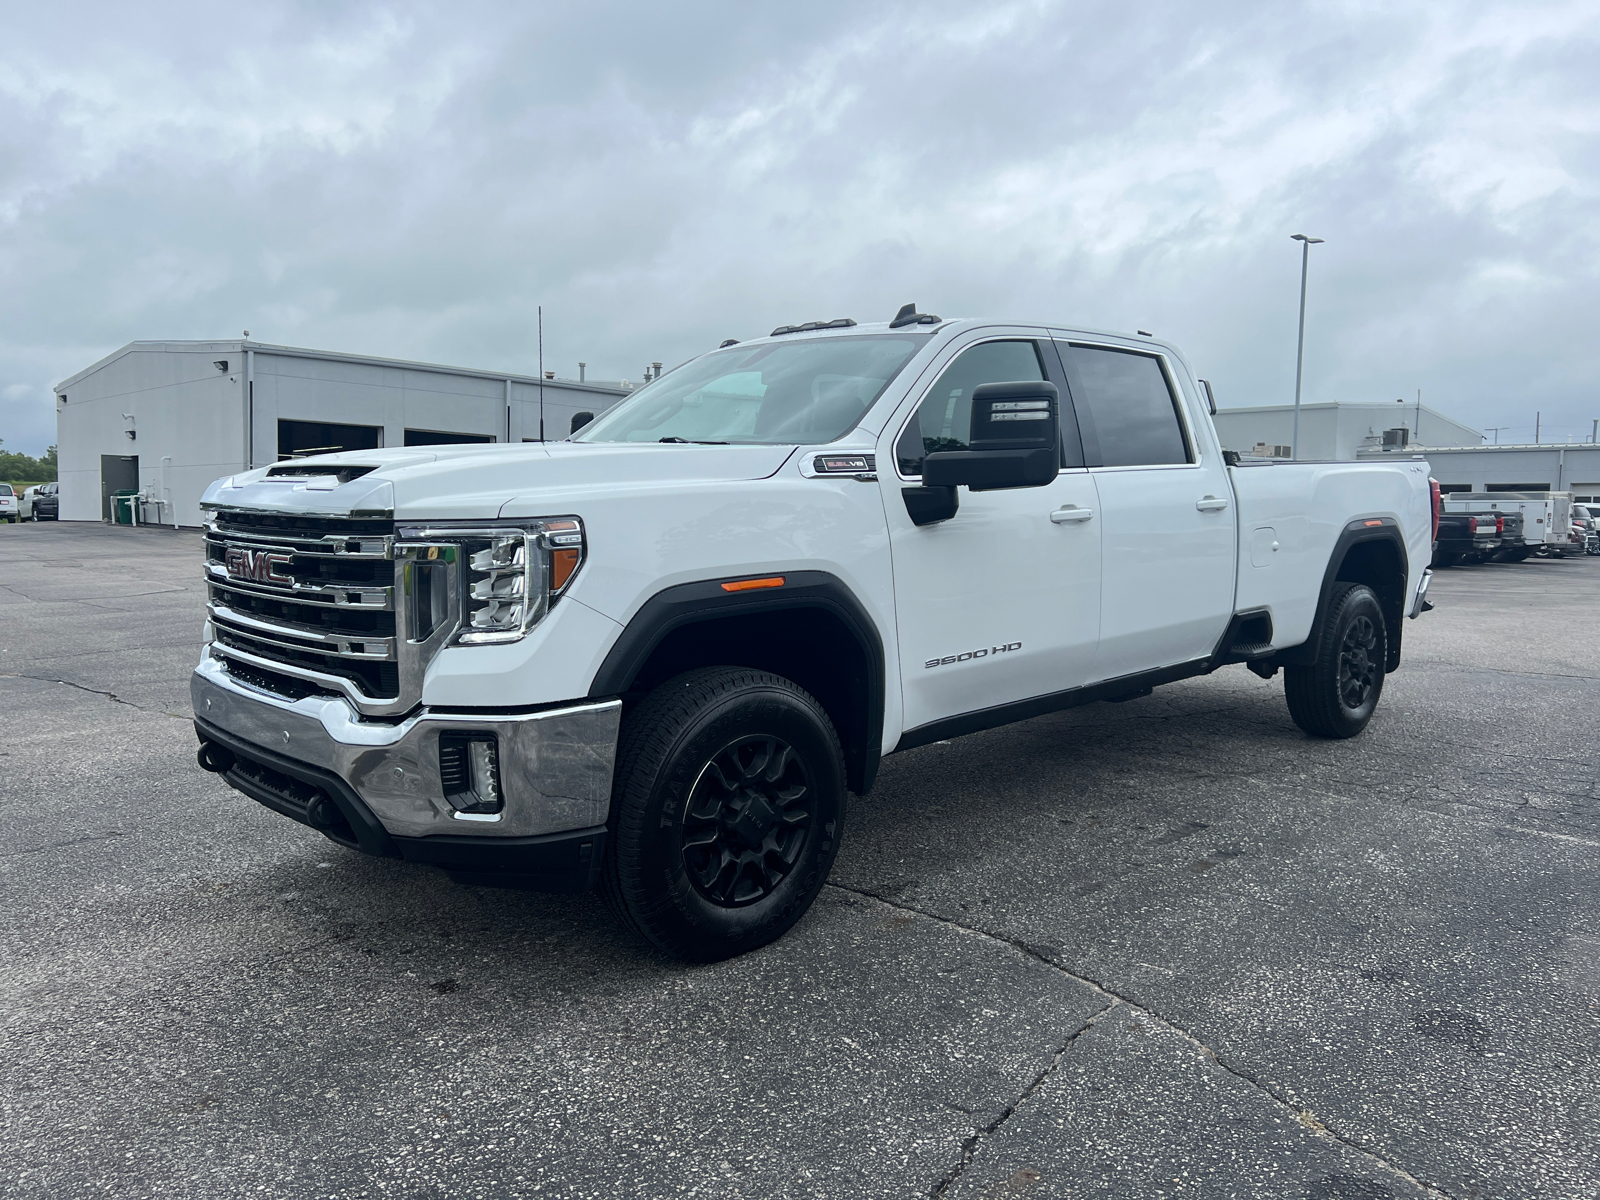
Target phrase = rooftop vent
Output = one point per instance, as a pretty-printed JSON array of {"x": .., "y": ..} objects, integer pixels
[{"x": 1397, "y": 437}]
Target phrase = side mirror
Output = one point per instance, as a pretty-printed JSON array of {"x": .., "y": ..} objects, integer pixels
[
  {"x": 579, "y": 420},
  {"x": 1015, "y": 440}
]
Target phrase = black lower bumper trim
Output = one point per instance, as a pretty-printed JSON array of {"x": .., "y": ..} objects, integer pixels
[{"x": 558, "y": 862}]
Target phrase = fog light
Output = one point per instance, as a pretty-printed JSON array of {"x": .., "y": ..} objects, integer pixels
[{"x": 469, "y": 773}]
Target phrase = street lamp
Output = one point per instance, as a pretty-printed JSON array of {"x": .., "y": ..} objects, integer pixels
[{"x": 1300, "y": 353}]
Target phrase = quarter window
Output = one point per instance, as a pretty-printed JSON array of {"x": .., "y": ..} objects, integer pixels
[
  {"x": 1133, "y": 411},
  {"x": 944, "y": 419}
]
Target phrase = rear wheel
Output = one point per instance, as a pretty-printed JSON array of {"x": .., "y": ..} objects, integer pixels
[
  {"x": 1446, "y": 558},
  {"x": 726, "y": 812},
  {"x": 1336, "y": 695}
]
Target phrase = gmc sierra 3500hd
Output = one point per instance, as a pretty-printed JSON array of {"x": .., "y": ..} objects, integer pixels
[{"x": 657, "y": 656}]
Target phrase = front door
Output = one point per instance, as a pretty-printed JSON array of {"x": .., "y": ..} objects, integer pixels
[
  {"x": 1001, "y": 602},
  {"x": 1167, "y": 531}
]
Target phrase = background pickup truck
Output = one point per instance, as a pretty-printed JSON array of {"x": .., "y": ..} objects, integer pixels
[
  {"x": 657, "y": 657},
  {"x": 1473, "y": 537}
]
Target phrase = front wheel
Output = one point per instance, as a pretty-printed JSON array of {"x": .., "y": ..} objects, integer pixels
[
  {"x": 726, "y": 812},
  {"x": 1336, "y": 695}
]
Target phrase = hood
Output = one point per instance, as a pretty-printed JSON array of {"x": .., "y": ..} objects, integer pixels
[{"x": 481, "y": 481}]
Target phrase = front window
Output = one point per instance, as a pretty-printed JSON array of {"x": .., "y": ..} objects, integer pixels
[{"x": 803, "y": 392}]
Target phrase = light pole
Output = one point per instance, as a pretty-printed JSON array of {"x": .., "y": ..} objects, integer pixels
[{"x": 1300, "y": 352}]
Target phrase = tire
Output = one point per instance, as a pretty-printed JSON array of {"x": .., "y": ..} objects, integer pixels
[
  {"x": 1446, "y": 558},
  {"x": 708, "y": 857},
  {"x": 1336, "y": 696}
]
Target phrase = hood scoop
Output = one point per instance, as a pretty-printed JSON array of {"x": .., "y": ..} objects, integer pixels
[{"x": 343, "y": 472}]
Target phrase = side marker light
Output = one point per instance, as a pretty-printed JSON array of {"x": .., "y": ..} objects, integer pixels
[{"x": 747, "y": 585}]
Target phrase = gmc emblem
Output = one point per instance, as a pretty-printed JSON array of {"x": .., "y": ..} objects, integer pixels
[{"x": 258, "y": 566}]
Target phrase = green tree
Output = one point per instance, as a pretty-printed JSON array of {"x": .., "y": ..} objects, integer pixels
[{"x": 24, "y": 468}]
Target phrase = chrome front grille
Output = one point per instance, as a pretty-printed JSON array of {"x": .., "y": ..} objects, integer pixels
[{"x": 311, "y": 599}]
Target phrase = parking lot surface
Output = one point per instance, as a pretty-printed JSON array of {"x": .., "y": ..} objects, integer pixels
[{"x": 1167, "y": 948}]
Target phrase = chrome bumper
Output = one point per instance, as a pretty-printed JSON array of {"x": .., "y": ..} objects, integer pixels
[{"x": 555, "y": 765}]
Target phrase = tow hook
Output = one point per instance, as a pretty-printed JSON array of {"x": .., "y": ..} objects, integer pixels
[{"x": 214, "y": 758}]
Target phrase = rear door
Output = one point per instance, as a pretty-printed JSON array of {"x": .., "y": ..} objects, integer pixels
[
  {"x": 1002, "y": 602},
  {"x": 1168, "y": 548}
]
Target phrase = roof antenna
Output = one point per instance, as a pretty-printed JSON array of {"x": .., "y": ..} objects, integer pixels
[{"x": 908, "y": 315}]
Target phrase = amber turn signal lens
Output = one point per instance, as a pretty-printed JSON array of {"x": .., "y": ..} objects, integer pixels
[
  {"x": 745, "y": 585},
  {"x": 562, "y": 564}
]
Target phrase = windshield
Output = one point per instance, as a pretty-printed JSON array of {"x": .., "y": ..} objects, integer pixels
[{"x": 801, "y": 392}]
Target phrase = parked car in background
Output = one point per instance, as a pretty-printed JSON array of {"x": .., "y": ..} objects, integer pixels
[
  {"x": 1466, "y": 537},
  {"x": 1546, "y": 516},
  {"x": 1513, "y": 547},
  {"x": 9, "y": 508},
  {"x": 45, "y": 504},
  {"x": 1587, "y": 519}
]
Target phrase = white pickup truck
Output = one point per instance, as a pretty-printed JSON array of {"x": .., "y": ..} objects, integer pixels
[{"x": 658, "y": 656}]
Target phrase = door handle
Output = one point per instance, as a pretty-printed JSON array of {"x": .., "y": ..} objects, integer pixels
[
  {"x": 1211, "y": 504},
  {"x": 1071, "y": 512}
]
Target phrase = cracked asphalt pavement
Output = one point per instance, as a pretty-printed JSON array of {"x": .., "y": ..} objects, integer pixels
[{"x": 1167, "y": 948}]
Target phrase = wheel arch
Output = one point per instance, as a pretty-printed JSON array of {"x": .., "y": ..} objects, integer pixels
[
  {"x": 812, "y": 630},
  {"x": 1372, "y": 551}
]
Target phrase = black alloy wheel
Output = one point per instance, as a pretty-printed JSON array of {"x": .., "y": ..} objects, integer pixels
[
  {"x": 1359, "y": 669},
  {"x": 1336, "y": 695},
  {"x": 726, "y": 811},
  {"x": 746, "y": 820}
]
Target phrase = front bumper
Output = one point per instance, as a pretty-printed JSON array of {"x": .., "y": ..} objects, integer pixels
[{"x": 382, "y": 781}]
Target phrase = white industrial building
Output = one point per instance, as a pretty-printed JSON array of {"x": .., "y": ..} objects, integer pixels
[
  {"x": 1560, "y": 467},
  {"x": 1338, "y": 430},
  {"x": 167, "y": 418},
  {"x": 1346, "y": 432}
]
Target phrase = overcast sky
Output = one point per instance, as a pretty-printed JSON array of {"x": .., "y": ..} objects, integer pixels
[{"x": 412, "y": 180}]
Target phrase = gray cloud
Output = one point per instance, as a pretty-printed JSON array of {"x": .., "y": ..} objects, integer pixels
[{"x": 413, "y": 180}]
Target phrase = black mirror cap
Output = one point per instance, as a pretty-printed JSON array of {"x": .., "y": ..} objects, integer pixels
[
  {"x": 930, "y": 505},
  {"x": 579, "y": 420},
  {"x": 990, "y": 470},
  {"x": 1015, "y": 416}
]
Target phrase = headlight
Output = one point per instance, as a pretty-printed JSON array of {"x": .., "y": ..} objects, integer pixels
[{"x": 506, "y": 575}]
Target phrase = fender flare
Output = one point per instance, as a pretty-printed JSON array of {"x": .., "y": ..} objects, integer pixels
[
  {"x": 1357, "y": 532},
  {"x": 694, "y": 603}
]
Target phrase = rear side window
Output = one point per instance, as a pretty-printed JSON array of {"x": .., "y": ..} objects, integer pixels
[
  {"x": 1125, "y": 396},
  {"x": 5, "y": 490}
]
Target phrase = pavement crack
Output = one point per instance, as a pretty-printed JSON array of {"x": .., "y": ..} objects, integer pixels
[
  {"x": 111, "y": 696},
  {"x": 969, "y": 1147},
  {"x": 1302, "y": 1115}
]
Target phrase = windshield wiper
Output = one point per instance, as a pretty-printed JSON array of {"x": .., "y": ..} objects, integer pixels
[{"x": 691, "y": 442}]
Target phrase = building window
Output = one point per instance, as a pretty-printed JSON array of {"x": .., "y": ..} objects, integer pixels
[
  {"x": 1447, "y": 488},
  {"x": 296, "y": 439},
  {"x": 1518, "y": 487},
  {"x": 441, "y": 437}
]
